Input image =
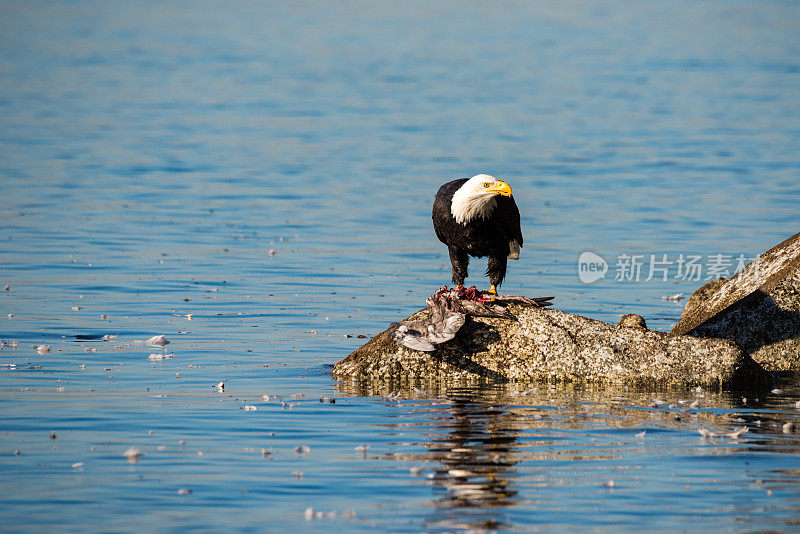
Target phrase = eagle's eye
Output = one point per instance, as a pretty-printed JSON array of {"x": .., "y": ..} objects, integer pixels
[{"x": 486, "y": 185}]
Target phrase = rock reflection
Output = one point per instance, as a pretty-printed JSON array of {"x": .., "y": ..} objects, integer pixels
[{"x": 493, "y": 454}]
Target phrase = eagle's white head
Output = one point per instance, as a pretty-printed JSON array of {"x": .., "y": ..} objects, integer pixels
[{"x": 476, "y": 198}]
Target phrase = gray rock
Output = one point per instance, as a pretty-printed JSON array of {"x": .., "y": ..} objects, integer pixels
[
  {"x": 758, "y": 308},
  {"x": 701, "y": 295},
  {"x": 547, "y": 344}
]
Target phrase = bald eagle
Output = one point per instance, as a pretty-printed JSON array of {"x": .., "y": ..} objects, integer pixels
[{"x": 478, "y": 217}]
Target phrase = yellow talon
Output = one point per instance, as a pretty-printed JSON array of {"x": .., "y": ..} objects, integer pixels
[{"x": 492, "y": 290}]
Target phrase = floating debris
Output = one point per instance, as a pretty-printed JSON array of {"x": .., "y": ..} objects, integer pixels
[
  {"x": 10, "y": 344},
  {"x": 788, "y": 428},
  {"x": 706, "y": 434},
  {"x": 733, "y": 434},
  {"x": 221, "y": 386},
  {"x": 266, "y": 453},
  {"x": 76, "y": 308},
  {"x": 415, "y": 471},
  {"x": 393, "y": 396},
  {"x": 302, "y": 449},
  {"x": 184, "y": 491},
  {"x": 133, "y": 454},
  {"x": 363, "y": 449},
  {"x": 310, "y": 514},
  {"x": 297, "y": 474},
  {"x": 250, "y": 408},
  {"x": 77, "y": 466},
  {"x": 776, "y": 391},
  {"x": 42, "y": 349},
  {"x": 109, "y": 337},
  {"x": 674, "y": 298},
  {"x": 265, "y": 398},
  {"x": 608, "y": 484},
  {"x": 640, "y": 435},
  {"x": 736, "y": 432},
  {"x": 157, "y": 341},
  {"x": 53, "y": 435}
]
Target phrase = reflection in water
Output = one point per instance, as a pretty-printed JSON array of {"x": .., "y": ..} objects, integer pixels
[
  {"x": 500, "y": 458},
  {"x": 474, "y": 445}
]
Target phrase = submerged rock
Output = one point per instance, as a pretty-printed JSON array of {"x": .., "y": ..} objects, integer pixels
[
  {"x": 541, "y": 344},
  {"x": 758, "y": 308}
]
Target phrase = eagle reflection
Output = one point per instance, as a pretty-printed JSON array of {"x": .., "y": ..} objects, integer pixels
[{"x": 475, "y": 450}]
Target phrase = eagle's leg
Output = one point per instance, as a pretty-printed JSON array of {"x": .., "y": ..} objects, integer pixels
[
  {"x": 460, "y": 262},
  {"x": 496, "y": 269}
]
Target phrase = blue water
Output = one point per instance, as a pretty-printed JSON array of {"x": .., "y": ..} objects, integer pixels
[{"x": 152, "y": 155}]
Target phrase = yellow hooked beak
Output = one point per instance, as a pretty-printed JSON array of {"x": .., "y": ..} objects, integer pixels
[{"x": 500, "y": 188}]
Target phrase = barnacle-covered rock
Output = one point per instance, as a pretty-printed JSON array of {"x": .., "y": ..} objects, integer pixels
[
  {"x": 730, "y": 332},
  {"x": 758, "y": 308},
  {"x": 540, "y": 344}
]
